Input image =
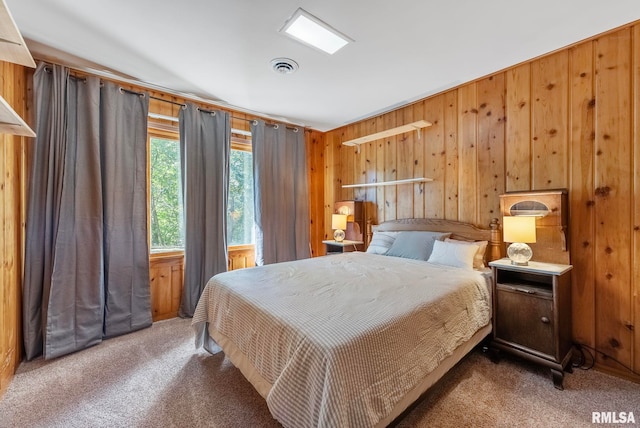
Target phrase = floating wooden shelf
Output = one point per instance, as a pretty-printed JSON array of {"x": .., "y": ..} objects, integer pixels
[
  {"x": 12, "y": 46},
  {"x": 414, "y": 126},
  {"x": 11, "y": 122},
  {"x": 389, "y": 183},
  {"x": 12, "y": 49}
]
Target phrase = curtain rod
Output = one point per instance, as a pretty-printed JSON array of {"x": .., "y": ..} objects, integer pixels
[
  {"x": 254, "y": 121},
  {"x": 233, "y": 130},
  {"x": 175, "y": 119},
  {"x": 151, "y": 87}
]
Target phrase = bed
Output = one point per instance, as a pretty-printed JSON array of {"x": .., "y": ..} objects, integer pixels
[{"x": 354, "y": 339}]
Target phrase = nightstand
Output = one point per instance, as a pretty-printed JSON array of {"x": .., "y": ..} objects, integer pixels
[
  {"x": 335, "y": 247},
  {"x": 532, "y": 314}
]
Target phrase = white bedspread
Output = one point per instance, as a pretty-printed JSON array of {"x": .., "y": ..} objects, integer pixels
[{"x": 343, "y": 338}]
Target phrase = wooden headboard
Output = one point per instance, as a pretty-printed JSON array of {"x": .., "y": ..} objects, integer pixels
[{"x": 459, "y": 230}]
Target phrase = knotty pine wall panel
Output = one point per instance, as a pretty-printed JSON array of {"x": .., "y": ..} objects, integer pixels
[
  {"x": 570, "y": 119},
  {"x": 405, "y": 165},
  {"x": 166, "y": 274},
  {"x": 635, "y": 251},
  {"x": 380, "y": 169},
  {"x": 347, "y": 166},
  {"x": 549, "y": 94},
  {"x": 13, "y": 176},
  {"x": 315, "y": 142},
  {"x": 370, "y": 169},
  {"x": 518, "y": 128},
  {"x": 490, "y": 153},
  {"x": 451, "y": 168},
  {"x": 390, "y": 169},
  {"x": 581, "y": 195},
  {"x": 431, "y": 194},
  {"x": 468, "y": 153},
  {"x": 331, "y": 187},
  {"x": 613, "y": 187}
]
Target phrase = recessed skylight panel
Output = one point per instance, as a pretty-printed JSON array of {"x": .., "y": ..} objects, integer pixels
[{"x": 311, "y": 31}]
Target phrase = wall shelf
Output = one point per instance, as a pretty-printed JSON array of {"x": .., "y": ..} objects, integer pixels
[
  {"x": 12, "y": 49},
  {"x": 414, "y": 126},
  {"x": 12, "y": 46},
  {"x": 389, "y": 183},
  {"x": 11, "y": 122}
]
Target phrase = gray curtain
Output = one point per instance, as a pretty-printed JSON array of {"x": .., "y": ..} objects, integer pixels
[
  {"x": 64, "y": 306},
  {"x": 205, "y": 144},
  {"x": 123, "y": 140},
  {"x": 281, "y": 193}
]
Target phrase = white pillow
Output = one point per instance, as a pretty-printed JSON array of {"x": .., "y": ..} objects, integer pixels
[
  {"x": 381, "y": 242},
  {"x": 478, "y": 260},
  {"x": 453, "y": 254}
]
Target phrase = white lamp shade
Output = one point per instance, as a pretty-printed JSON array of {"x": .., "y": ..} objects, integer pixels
[
  {"x": 338, "y": 221},
  {"x": 519, "y": 229}
]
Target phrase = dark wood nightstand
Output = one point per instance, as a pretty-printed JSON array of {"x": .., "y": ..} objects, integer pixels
[
  {"x": 532, "y": 314},
  {"x": 335, "y": 247}
]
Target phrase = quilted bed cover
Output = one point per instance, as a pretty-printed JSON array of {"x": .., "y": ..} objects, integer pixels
[{"x": 341, "y": 339}]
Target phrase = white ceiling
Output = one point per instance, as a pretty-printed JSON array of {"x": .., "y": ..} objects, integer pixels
[{"x": 220, "y": 50}]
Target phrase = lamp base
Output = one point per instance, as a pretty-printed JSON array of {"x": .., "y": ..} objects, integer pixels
[
  {"x": 338, "y": 235},
  {"x": 519, "y": 253}
]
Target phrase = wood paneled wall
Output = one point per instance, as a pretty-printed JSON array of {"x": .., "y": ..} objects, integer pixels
[
  {"x": 570, "y": 119},
  {"x": 166, "y": 277},
  {"x": 12, "y": 181},
  {"x": 241, "y": 256},
  {"x": 166, "y": 274},
  {"x": 315, "y": 142}
]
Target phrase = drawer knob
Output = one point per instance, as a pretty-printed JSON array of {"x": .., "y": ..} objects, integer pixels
[{"x": 545, "y": 320}]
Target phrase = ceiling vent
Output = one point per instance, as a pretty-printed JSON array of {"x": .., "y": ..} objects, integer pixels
[{"x": 284, "y": 65}]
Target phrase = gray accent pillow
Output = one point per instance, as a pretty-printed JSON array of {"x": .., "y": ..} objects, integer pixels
[
  {"x": 381, "y": 242},
  {"x": 415, "y": 245}
]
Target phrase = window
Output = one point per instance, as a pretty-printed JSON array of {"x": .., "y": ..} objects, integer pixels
[
  {"x": 166, "y": 224},
  {"x": 165, "y": 195},
  {"x": 240, "y": 229}
]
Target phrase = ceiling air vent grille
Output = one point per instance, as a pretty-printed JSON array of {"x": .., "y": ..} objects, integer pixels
[{"x": 284, "y": 65}]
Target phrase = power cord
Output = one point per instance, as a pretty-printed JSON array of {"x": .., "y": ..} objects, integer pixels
[{"x": 585, "y": 363}]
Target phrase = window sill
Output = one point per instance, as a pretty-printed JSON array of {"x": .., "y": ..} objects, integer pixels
[
  {"x": 168, "y": 253},
  {"x": 175, "y": 252},
  {"x": 242, "y": 247}
]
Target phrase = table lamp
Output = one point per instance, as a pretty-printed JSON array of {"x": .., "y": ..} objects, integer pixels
[
  {"x": 519, "y": 230},
  {"x": 339, "y": 223}
]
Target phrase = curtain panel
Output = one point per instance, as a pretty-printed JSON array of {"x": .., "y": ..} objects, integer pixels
[
  {"x": 281, "y": 193},
  {"x": 123, "y": 142},
  {"x": 205, "y": 145},
  {"x": 70, "y": 298}
]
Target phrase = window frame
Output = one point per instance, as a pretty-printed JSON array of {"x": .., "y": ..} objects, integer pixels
[
  {"x": 244, "y": 145},
  {"x": 160, "y": 130},
  {"x": 167, "y": 133}
]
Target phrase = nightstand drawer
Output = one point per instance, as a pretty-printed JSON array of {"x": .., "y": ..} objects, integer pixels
[{"x": 524, "y": 317}]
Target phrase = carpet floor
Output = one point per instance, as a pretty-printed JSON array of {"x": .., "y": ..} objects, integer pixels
[{"x": 155, "y": 378}]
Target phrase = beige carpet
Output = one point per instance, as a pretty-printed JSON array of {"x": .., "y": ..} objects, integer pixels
[{"x": 155, "y": 378}]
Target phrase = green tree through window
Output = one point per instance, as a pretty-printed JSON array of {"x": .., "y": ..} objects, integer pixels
[
  {"x": 166, "y": 197},
  {"x": 240, "y": 202},
  {"x": 165, "y": 205}
]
